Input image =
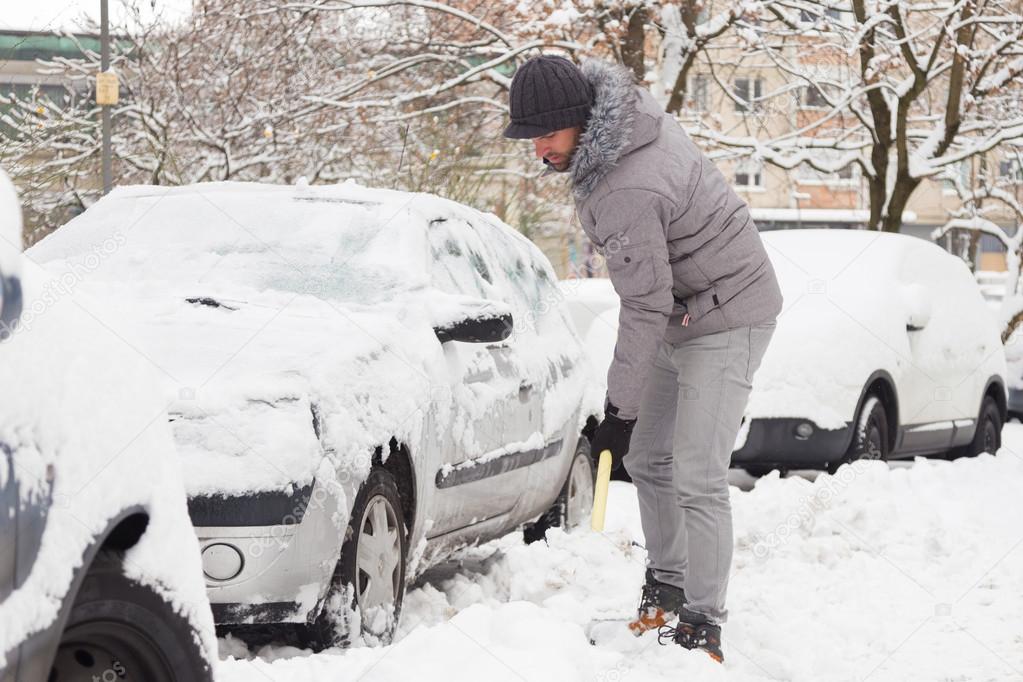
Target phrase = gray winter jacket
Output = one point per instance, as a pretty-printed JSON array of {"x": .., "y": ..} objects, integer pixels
[{"x": 675, "y": 237}]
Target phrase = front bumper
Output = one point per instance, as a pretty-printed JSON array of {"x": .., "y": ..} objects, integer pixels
[
  {"x": 272, "y": 572},
  {"x": 777, "y": 442}
]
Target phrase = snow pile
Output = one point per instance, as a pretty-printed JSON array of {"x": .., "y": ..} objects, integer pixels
[{"x": 891, "y": 574}]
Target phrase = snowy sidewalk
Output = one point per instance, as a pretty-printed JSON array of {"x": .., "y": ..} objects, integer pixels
[{"x": 908, "y": 573}]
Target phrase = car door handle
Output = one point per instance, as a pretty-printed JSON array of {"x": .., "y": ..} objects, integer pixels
[{"x": 525, "y": 387}]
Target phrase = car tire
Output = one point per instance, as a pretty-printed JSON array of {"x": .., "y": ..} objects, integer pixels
[
  {"x": 366, "y": 591},
  {"x": 988, "y": 435},
  {"x": 575, "y": 501},
  {"x": 120, "y": 629},
  {"x": 760, "y": 470},
  {"x": 870, "y": 435}
]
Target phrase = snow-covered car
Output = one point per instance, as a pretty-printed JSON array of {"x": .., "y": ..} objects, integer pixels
[
  {"x": 885, "y": 349},
  {"x": 364, "y": 382},
  {"x": 100, "y": 575}
]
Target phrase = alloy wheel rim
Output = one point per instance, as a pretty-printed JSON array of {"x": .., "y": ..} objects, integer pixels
[
  {"x": 580, "y": 492},
  {"x": 378, "y": 556}
]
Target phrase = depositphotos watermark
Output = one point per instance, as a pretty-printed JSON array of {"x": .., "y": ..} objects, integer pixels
[{"x": 64, "y": 285}]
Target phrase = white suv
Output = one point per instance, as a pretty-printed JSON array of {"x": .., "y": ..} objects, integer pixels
[{"x": 100, "y": 577}]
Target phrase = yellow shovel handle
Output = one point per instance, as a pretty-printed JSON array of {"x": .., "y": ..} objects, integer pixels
[{"x": 600, "y": 491}]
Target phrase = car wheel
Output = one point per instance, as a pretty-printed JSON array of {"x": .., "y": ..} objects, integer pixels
[
  {"x": 988, "y": 436},
  {"x": 119, "y": 629},
  {"x": 758, "y": 470},
  {"x": 369, "y": 581},
  {"x": 870, "y": 437},
  {"x": 575, "y": 501}
]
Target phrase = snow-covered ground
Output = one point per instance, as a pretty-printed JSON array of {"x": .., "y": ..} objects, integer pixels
[{"x": 880, "y": 573}]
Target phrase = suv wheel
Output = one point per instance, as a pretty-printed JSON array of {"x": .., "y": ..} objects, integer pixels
[
  {"x": 870, "y": 438},
  {"x": 120, "y": 629},
  {"x": 988, "y": 436}
]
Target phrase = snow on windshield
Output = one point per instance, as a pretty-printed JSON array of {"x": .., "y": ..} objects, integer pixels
[{"x": 342, "y": 242}]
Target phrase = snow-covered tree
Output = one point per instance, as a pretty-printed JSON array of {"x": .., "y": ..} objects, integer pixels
[
  {"x": 902, "y": 90},
  {"x": 997, "y": 189}
]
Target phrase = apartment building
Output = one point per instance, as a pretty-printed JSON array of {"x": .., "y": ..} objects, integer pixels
[
  {"x": 22, "y": 74},
  {"x": 804, "y": 197}
]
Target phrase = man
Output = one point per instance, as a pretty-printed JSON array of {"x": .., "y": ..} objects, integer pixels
[{"x": 699, "y": 302}]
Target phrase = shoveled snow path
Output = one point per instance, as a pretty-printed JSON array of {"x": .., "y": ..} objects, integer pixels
[{"x": 908, "y": 572}]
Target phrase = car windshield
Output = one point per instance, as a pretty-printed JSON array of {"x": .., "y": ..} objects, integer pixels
[{"x": 221, "y": 238}]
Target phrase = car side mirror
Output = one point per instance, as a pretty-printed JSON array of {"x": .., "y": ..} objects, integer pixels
[
  {"x": 473, "y": 321},
  {"x": 487, "y": 329}
]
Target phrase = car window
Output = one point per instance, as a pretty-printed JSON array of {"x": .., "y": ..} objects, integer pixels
[
  {"x": 526, "y": 277},
  {"x": 458, "y": 265},
  {"x": 477, "y": 257}
]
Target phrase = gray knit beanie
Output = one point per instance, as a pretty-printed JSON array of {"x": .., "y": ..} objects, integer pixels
[{"x": 548, "y": 93}]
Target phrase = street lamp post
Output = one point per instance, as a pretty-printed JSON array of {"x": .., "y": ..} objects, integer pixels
[{"x": 104, "y": 35}]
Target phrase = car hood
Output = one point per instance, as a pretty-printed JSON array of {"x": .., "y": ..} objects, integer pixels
[{"x": 265, "y": 390}]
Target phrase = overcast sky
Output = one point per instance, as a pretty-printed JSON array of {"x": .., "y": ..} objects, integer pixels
[{"x": 50, "y": 15}]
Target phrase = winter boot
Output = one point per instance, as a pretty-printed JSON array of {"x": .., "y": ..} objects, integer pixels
[
  {"x": 657, "y": 605},
  {"x": 694, "y": 632}
]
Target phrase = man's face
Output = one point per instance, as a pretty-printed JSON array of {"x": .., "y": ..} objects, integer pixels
[{"x": 557, "y": 147}]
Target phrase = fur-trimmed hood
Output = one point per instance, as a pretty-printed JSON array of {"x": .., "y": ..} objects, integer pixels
[{"x": 619, "y": 122}]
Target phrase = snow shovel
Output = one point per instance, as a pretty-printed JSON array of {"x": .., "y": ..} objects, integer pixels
[{"x": 600, "y": 491}]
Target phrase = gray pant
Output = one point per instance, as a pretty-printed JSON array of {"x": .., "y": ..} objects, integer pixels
[{"x": 679, "y": 456}]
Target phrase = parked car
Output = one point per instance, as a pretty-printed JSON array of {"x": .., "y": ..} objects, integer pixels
[
  {"x": 884, "y": 349},
  {"x": 365, "y": 382},
  {"x": 100, "y": 575}
]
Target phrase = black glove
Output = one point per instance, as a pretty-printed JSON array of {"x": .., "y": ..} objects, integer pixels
[{"x": 612, "y": 434}]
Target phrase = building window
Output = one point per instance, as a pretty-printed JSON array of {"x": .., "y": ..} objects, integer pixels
[
  {"x": 960, "y": 169},
  {"x": 807, "y": 16},
  {"x": 813, "y": 98},
  {"x": 747, "y": 91},
  {"x": 749, "y": 173},
  {"x": 1010, "y": 170},
  {"x": 844, "y": 175},
  {"x": 697, "y": 93}
]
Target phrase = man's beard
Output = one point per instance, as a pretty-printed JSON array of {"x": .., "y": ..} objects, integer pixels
[{"x": 568, "y": 164}]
